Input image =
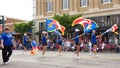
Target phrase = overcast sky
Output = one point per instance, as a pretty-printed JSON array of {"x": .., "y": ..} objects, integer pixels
[{"x": 20, "y": 9}]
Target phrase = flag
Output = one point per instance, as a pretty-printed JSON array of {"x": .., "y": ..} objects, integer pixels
[
  {"x": 34, "y": 51},
  {"x": 81, "y": 21},
  {"x": 59, "y": 27},
  {"x": 57, "y": 32},
  {"x": 50, "y": 26},
  {"x": 62, "y": 30},
  {"x": 87, "y": 24},
  {"x": 112, "y": 29},
  {"x": 116, "y": 32},
  {"x": 89, "y": 27},
  {"x": 77, "y": 21}
]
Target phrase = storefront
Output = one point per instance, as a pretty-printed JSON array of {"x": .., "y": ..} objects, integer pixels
[{"x": 105, "y": 22}]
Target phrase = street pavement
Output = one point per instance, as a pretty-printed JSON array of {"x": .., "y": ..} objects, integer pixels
[{"x": 53, "y": 60}]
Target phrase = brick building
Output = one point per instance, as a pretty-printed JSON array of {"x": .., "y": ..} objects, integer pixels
[
  {"x": 10, "y": 23},
  {"x": 104, "y": 12}
]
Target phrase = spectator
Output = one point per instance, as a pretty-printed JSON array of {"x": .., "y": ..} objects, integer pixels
[
  {"x": 7, "y": 44},
  {"x": 117, "y": 46},
  {"x": 67, "y": 45},
  {"x": 90, "y": 47}
]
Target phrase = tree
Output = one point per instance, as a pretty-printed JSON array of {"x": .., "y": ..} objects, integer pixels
[
  {"x": 66, "y": 20},
  {"x": 23, "y": 27}
]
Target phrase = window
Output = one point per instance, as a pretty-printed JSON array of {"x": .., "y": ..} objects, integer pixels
[
  {"x": 41, "y": 25},
  {"x": 117, "y": 20},
  {"x": 106, "y": 1},
  {"x": 84, "y": 3},
  {"x": 65, "y": 4},
  {"x": 109, "y": 20},
  {"x": 49, "y": 6}
]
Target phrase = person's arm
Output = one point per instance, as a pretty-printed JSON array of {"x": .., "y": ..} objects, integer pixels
[
  {"x": 2, "y": 46},
  {"x": 98, "y": 36}
]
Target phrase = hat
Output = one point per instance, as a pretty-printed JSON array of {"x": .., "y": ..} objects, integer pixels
[
  {"x": 44, "y": 32},
  {"x": 6, "y": 28},
  {"x": 76, "y": 30},
  {"x": 25, "y": 34},
  {"x": 93, "y": 31}
]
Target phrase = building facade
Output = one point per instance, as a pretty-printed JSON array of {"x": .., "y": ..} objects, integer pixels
[
  {"x": 104, "y": 12},
  {"x": 10, "y": 23}
]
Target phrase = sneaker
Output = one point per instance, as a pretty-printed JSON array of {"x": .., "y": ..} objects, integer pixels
[
  {"x": 77, "y": 57},
  {"x": 24, "y": 53},
  {"x": 60, "y": 54},
  {"x": 74, "y": 56},
  {"x": 5, "y": 62},
  {"x": 9, "y": 61},
  {"x": 96, "y": 55},
  {"x": 43, "y": 56},
  {"x": 91, "y": 54}
]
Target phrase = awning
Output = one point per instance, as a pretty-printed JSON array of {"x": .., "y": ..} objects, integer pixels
[
  {"x": 15, "y": 33},
  {"x": 71, "y": 30},
  {"x": 38, "y": 33}
]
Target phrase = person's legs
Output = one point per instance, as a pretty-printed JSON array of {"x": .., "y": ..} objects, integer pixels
[
  {"x": 60, "y": 49},
  {"x": 95, "y": 49},
  {"x": 25, "y": 48},
  {"x": 44, "y": 50},
  {"x": 9, "y": 52},
  {"x": 4, "y": 54},
  {"x": 77, "y": 49},
  {"x": 90, "y": 50}
]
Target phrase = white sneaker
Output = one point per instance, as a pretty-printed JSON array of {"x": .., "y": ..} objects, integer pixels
[
  {"x": 74, "y": 56},
  {"x": 77, "y": 57},
  {"x": 43, "y": 56},
  {"x": 9, "y": 61},
  {"x": 60, "y": 54},
  {"x": 91, "y": 54},
  {"x": 96, "y": 55},
  {"x": 5, "y": 62}
]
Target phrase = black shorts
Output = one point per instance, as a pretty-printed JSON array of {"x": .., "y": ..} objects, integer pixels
[
  {"x": 59, "y": 43},
  {"x": 77, "y": 43},
  {"x": 25, "y": 45},
  {"x": 44, "y": 44},
  {"x": 94, "y": 44}
]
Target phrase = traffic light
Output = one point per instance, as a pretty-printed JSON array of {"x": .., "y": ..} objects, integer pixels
[{"x": 1, "y": 19}]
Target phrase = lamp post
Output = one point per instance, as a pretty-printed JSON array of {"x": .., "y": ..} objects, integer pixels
[{"x": 2, "y": 21}]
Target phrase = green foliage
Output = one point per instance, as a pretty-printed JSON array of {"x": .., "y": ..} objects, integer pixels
[
  {"x": 23, "y": 27},
  {"x": 66, "y": 20}
]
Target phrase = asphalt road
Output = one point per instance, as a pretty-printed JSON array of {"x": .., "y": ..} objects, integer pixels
[{"x": 53, "y": 60}]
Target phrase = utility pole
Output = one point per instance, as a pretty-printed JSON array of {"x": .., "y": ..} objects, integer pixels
[{"x": 2, "y": 21}]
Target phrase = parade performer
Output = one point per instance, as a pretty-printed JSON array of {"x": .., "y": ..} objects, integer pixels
[
  {"x": 60, "y": 44},
  {"x": 44, "y": 42},
  {"x": 77, "y": 43},
  {"x": 25, "y": 42},
  {"x": 6, "y": 45},
  {"x": 94, "y": 41},
  {"x": 34, "y": 47}
]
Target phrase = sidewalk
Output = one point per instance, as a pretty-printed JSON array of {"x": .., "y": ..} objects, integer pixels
[{"x": 52, "y": 60}]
